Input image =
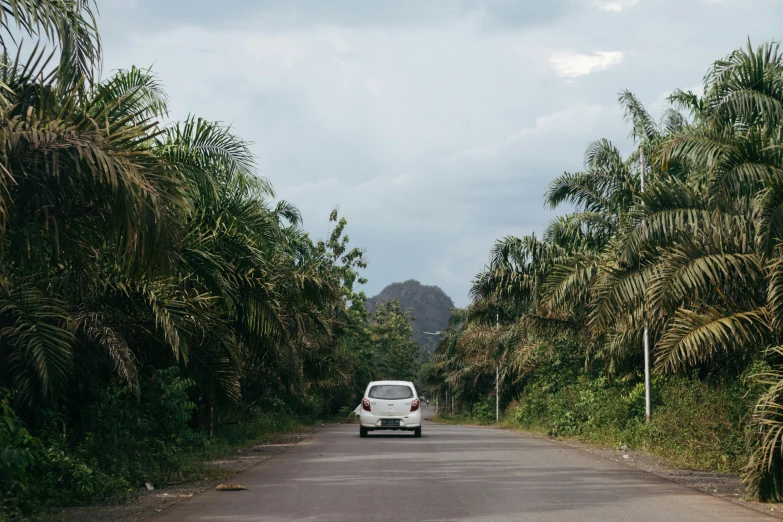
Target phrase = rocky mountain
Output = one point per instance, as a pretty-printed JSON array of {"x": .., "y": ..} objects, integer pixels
[{"x": 429, "y": 305}]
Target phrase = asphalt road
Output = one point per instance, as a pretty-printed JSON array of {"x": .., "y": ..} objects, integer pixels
[{"x": 451, "y": 473}]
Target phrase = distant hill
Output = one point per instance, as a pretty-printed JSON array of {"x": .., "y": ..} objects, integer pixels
[{"x": 429, "y": 305}]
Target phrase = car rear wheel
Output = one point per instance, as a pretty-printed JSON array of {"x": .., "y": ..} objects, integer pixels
[
  {"x": 362, "y": 431},
  {"x": 417, "y": 432}
]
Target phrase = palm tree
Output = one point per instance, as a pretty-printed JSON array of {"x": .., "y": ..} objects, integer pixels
[
  {"x": 149, "y": 243},
  {"x": 70, "y": 190},
  {"x": 697, "y": 258},
  {"x": 720, "y": 281}
]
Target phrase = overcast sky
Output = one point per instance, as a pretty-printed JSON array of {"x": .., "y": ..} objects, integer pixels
[{"x": 434, "y": 125}]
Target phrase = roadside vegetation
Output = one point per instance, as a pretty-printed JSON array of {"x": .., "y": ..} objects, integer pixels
[
  {"x": 697, "y": 257},
  {"x": 158, "y": 306}
]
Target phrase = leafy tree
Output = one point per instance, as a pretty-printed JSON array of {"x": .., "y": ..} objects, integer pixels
[{"x": 390, "y": 345}]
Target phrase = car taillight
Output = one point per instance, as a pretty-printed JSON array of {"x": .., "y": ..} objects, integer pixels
[
  {"x": 414, "y": 405},
  {"x": 366, "y": 404}
]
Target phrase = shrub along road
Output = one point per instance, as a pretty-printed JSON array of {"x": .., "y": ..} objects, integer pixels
[{"x": 452, "y": 472}]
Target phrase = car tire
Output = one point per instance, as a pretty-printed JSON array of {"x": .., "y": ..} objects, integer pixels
[
  {"x": 417, "y": 433},
  {"x": 362, "y": 431}
]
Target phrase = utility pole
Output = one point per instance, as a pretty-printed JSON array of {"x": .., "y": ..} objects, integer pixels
[
  {"x": 647, "y": 405},
  {"x": 497, "y": 375}
]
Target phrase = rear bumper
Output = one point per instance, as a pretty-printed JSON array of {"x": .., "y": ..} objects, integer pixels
[{"x": 373, "y": 422}]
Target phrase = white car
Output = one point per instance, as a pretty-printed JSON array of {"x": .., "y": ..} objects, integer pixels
[{"x": 390, "y": 405}]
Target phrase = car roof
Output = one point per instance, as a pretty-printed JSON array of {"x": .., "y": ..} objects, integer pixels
[{"x": 393, "y": 382}]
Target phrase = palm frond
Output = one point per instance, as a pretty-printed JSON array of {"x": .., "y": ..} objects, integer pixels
[
  {"x": 36, "y": 328},
  {"x": 70, "y": 23},
  {"x": 644, "y": 126},
  {"x": 694, "y": 338}
]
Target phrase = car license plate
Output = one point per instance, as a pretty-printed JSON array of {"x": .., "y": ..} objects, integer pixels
[{"x": 390, "y": 422}]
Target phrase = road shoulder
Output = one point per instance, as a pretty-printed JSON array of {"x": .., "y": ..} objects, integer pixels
[{"x": 728, "y": 486}]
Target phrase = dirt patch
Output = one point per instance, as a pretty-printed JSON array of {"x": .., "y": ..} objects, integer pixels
[{"x": 150, "y": 502}]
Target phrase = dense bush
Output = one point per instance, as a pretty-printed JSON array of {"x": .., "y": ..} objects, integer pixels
[
  {"x": 695, "y": 424},
  {"x": 34, "y": 475},
  {"x": 130, "y": 439},
  {"x": 140, "y": 438},
  {"x": 18, "y": 454}
]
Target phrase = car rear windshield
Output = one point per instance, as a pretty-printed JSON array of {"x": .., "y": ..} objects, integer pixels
[{"x": 391, "y": 392}]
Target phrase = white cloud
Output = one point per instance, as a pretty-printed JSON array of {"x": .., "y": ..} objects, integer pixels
[
  {"x": 615, "y": 5},
  {"x": 337, "y": 41},
  {"x": 574, "y": 65},
  {"x": 570, "y": 121}
]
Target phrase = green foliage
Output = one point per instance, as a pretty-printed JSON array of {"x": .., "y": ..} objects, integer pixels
[
  {"x": 131, "y": 440},
  {"x": 18, "y": 452},
  {"x": 34, "y": 475},
  {"x": 140, "y": 439},
  {"x": 62, "y": 478},
  {"x": 483, "y": 411},
  {"x": 346, "y": 412}
]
